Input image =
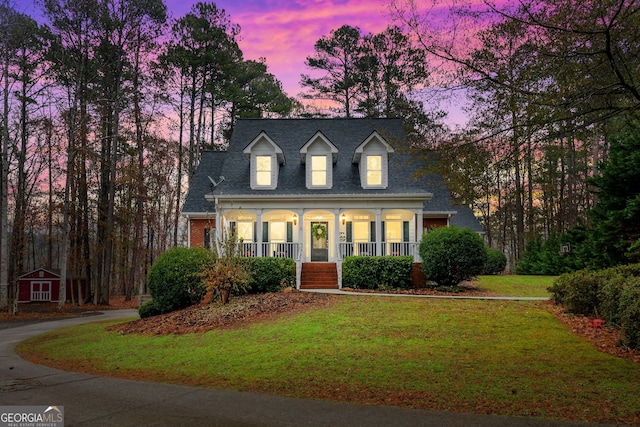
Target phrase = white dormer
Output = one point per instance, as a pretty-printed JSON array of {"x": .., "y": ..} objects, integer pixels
[
  {"x": 372, "y": 157},
  {"x": 266, "y": 157},
  {"x": 319, "y": 155}
]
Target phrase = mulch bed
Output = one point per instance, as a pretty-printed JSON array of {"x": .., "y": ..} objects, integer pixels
[{"x": 237, "y": 312}]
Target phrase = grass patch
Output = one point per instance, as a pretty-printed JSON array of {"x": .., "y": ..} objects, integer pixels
[
  {"x": 517, "y": 286},
  {"x": 496, "y": 357}
]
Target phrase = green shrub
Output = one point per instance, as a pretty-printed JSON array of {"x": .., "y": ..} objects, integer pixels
[
  {"x": 175, "y": 279},
  {"x": 612, "y": 282},
  {"x": 577, "y": 292},
  {"x": 544, "y": 256},
  {"x": 630, "y": 313},
  {"x": 359, "y": 272},
  {"x": 451, "y": 255},
  {"x": 612, "y": 294},
  {"x": 271, "y": 274},
  {"x": 148, "y": 309},
  {"x": 395, "y": 271},
  {"x": 385, "y": 272},
  {"x": 496, "y": 262},
  {"x": 591, "y": 292}
]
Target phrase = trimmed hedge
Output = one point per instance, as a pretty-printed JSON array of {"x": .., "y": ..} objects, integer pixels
[
  {"x": 175, "y": 280},
  {"x": 630, "y": 313},
  {"x": 271, "y": 274},
  {"x": 612, "y": 294},
  {"x": 496, "y": 262},
  {"x": 451, "y": 255},
  {"x": 378, "y": 272}
]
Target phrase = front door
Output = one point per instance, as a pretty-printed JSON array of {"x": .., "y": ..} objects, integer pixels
[{"x": 319, "y": 241}]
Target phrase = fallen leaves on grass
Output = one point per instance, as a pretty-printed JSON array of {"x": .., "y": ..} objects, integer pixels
[{"x": 605, "y": 338}]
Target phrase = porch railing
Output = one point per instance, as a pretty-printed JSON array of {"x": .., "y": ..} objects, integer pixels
[
  {"x": 281, "y": 250},
  {"x": 371, "y": 249},
  {"x": 272, "y": 249}
]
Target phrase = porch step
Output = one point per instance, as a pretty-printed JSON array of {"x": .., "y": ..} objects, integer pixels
[{"x": 319, "y": 275}]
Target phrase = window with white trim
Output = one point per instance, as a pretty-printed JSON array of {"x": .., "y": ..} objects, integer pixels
[
  {"x": 319, "y": 171},
  {"x": 263, "y": 171},
  {"x": 245, "y": 231},
  {"x": 374, "y": 170}
]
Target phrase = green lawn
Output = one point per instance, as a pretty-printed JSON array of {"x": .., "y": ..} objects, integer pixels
[
  {"x": 497, "y": 357},
  {"x": 517, "y": 286}
]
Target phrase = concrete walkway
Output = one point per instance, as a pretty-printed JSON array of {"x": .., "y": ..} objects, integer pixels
[
  {"x": 89, "y": 400},
  {"x": 383, "y": 294}
]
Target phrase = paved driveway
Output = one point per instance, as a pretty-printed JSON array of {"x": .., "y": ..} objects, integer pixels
[{"x": 89, "y": 400}]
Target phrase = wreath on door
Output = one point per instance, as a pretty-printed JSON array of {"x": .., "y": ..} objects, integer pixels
[{"x": 319, "y": 231}]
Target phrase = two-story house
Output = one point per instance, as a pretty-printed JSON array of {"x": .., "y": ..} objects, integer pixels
[{"x": 317, "y": 190}]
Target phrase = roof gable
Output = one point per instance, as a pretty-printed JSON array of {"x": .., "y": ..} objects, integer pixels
[
  {"x": 375, "y": 139},
  {"x": 263, "y": 141},
  {"x": 318, "y": 137}
]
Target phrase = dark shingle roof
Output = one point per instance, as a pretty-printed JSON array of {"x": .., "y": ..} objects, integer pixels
[
  {"x": 465, "y": 218},
  {"x": 291, "y": 135},
  {"x": 210, "y": 166}
]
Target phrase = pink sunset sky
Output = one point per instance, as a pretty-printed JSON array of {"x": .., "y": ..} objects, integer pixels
[{"x": 284, "y": 31}]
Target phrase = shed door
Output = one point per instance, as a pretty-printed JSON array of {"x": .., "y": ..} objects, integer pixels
[{"x": 40, "y": 291}]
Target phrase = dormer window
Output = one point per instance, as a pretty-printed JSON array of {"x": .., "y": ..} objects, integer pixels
[
  {"x": 265, "y": 157},
  {"x": 263, "y": 171},
  {"x": 374, "y": 170},
  {"x": 318, "y": 171},
  {"x": 372, "y": 157},
  {"x": 319, "y": 155}
]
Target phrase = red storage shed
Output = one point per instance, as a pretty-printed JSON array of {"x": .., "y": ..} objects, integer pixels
[{"x": 43, "y": 285}]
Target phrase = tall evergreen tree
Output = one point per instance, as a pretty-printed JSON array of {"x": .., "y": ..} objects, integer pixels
[
  {"x": 615, "y": 218},
  {"x": 338, "y": 56}
]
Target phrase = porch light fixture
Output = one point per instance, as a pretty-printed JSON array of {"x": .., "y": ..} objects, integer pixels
[
  {"x": 344, "y": 219},
  {"x": 295, "y": 219}
]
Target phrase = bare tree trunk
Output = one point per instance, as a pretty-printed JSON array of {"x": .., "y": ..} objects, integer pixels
[
  {"x": 180, "y": 161},
  {"x": 4, "y": 202},
  {"x": 49, "y": 133},
  {"x": 64, "y": 250},
  {"x": 138, "y": 248}
]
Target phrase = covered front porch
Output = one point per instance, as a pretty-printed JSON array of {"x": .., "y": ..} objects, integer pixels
[
  {"x": 319, "y": 235},
  {"x": 322, "y": 235}
]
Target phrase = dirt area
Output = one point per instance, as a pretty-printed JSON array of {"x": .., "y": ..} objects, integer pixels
[{"x": 255, "y": 308}]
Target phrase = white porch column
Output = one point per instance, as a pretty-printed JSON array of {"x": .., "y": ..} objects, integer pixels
[
  {"x": 259, "y": 232},
  {"x": 188, "y": 231},
  {"x": 336, "y": 232},
  {"x": 419, "y": 231},
  {"x": 379, "y": 232},
  {"x": 216, "y": 235},
  {"x": 301, "y": 243},
  {"x": 336, "y": 245},
  {"x": 302, "y": 238},
  {"x": 219, "y": 233}
]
